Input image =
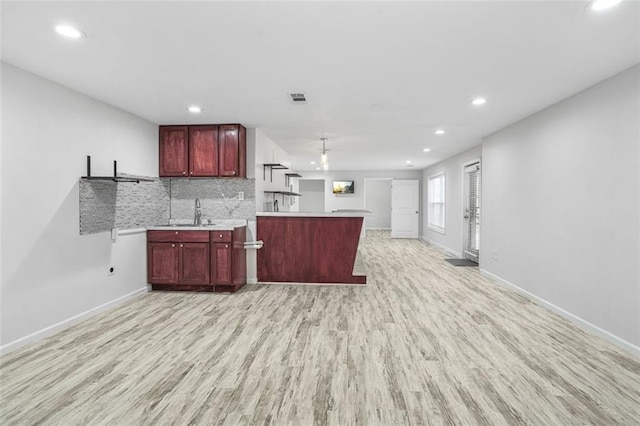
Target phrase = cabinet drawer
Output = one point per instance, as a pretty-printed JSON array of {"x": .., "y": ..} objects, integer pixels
[
  {"x": 221, "y": 236},
  {"x": 178, "y": 236}
]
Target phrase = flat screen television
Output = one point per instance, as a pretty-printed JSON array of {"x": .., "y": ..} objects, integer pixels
[{"x": 343, "y": 187}]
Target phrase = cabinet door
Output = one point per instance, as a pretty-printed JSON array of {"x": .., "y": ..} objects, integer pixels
[
  {"x": 203, "y": 151},
  {"x": 221, "y": 263},
  {"x": 229, "y": 150},
  {"x": 162, "y": 263},
  {"x": 174, "y": 149},
  {"x": 194, "y": 263}
]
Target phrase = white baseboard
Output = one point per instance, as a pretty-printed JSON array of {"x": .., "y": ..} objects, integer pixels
[
  {"x": 627, "y": 346},
  {"x": 52, "y": 329},
  {"x": 252, "y": 280},
  {"x": 440, "y": 246}
]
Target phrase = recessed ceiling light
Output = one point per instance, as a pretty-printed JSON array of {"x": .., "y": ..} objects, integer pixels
[
  {"x": 603, "y": 4},
  {"x": 426, "y": 150},
  {"x": 313, "y": 162},
  {"x": 439, "y": 132},
  {"x": 195, "y": 109},
  {"x": 317, "y": 168},
  {"x": 408, "y": 161},
  {"x": 69, "y": 31},
  {"x": 479, "y": 101}
]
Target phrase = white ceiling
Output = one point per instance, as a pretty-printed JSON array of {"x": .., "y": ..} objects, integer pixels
[{"x": 380, "y": 76}]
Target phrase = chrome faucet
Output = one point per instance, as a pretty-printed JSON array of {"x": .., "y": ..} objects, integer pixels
[{"x": 197, "y": 219}]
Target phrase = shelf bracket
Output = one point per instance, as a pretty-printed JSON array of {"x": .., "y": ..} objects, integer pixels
[{"x": 271, "y": 166}]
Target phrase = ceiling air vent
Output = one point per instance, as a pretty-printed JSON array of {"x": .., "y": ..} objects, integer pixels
[{"x": 298, "y": 98}]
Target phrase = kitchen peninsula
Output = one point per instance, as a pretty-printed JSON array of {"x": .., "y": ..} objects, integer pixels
[{"x": 309, "y": 247}]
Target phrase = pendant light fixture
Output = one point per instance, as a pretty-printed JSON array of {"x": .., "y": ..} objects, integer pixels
[{"x": 324, "y": 160}]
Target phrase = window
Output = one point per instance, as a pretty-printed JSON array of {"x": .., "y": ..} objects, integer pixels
[{"x": 435, "y": 215}]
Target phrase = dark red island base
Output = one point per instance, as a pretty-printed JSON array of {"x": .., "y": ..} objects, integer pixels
[{"x": 308, "y": 249}]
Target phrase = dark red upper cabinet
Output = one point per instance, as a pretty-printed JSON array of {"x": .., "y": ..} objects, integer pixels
[
  {"x": 233, "y": 147},
  {"x": 203, "y": 151},
  {"x": 174, "y": 151}
]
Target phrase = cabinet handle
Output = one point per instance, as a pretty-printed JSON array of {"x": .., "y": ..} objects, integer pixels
[
  {"x": 181, "y": 245},
  {"x": 176, "y": 232},
  {"x": 226, "y": 246},
  {"x": 220, "y": 235},
  {"x": 191, "y": 173},
  {"x": 173, "y": 245},
  {"x": 233, "y": 173},
  {"x": 184, "y": 173}
]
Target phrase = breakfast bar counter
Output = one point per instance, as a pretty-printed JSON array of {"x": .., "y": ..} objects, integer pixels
[{"x": 309, "y": 247}]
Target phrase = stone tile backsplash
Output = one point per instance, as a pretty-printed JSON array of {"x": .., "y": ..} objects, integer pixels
[
  {"x": 105, "y": 204},
  {"x": 97, "y": 206},
  {"x": 219, "y": 198}
]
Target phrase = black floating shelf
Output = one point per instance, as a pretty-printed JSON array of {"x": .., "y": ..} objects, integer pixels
[
  {"x": 288, "y": 176},
  {"x": 115, "y": 177},
  {"x": 119, "y": 178},
  {"x": 293, "y": 194},
  {"x": 271, "y": 167},
  {"x": 283, "y": 193}
]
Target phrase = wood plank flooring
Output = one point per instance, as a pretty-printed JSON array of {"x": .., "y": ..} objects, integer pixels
[{"x": 422, "y": 343}]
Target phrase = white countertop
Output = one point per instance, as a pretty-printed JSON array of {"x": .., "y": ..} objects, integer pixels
[
  {"x": 193, "y": 228},
  {"x": 337, "y": 213},
  {"x": 218, "y": 225}
]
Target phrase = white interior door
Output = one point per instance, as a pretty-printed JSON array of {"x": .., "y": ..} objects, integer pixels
[
  {"x": 405, "y": 208},
  {"x": 472, "y": 212}
]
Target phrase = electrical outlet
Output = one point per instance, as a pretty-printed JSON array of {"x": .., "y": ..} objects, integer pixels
[
  {"x": 494, "y": 255},
  {"x": 112, "y": 270},
  {"x": 241, "y": 195}
]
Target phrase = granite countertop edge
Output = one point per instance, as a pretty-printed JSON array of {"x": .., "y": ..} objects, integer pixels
[
  {"x": 194, "y": 228},
  {"x": 344, "y": 213},
  {"x": 217, "y": 225}
]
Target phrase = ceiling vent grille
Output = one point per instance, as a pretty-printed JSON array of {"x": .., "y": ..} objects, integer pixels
[{"x": 298, "y": 98}]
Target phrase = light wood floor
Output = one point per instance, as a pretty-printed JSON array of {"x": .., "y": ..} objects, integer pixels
[{"x": 422, "y": 343}]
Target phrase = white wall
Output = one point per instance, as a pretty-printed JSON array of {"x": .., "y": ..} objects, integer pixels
[
  {"x": 1, "y": 196},
  {"x": 452, "y": 239},
  {"x": 267, "y": 151},
  {"x": 311, "y": 195},
  {"x": 356, "y": 200},
  {"x": 561, "y": 203},
  {"x": 378, "y": 201},
  {"x": 50, "y": 273}
]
